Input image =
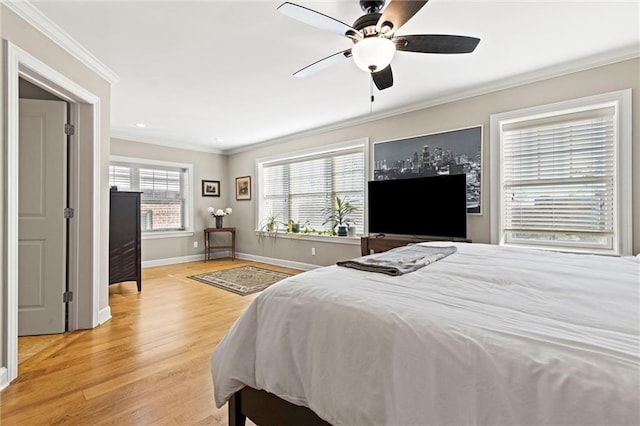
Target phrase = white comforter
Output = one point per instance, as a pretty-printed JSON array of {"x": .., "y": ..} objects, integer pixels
[{"x": 487, "y": 336}]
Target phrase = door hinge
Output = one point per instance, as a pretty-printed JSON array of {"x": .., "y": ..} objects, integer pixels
[
  {"x": 69, "y": 129},
  {"x": 67, "y": 296},
  {"x": 68, "y": 212}
]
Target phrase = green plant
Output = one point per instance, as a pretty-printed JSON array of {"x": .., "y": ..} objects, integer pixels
[
  {"x": 293, "y": 227},
  {"x": 270, "y": 226},
  {"x": 338, "y": 216},
  {"x": 306, "y": 228}
]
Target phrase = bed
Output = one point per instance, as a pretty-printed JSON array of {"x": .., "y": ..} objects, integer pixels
[{"x": 489, "y": 335}]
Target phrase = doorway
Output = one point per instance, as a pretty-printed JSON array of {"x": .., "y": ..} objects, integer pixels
[{"x": 85, "y": 193}]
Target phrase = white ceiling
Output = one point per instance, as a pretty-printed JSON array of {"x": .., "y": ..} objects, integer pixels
[{"x": 217, "y": 75}]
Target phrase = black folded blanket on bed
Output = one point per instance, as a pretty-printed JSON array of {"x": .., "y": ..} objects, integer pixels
[{"x": 400, "y": 260}]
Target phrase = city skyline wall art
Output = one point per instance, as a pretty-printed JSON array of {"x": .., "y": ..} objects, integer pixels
[{"x": 451, "y": 152}]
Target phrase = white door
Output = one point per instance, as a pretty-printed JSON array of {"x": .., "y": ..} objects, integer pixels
[{"x": 42, "y": 227}]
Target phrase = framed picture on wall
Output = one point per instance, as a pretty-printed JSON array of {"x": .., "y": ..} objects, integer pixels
[
  {"x": 210, "y": 188},
  {"x": 243, "y": 188},
  {"x": 447, "y": 153}
]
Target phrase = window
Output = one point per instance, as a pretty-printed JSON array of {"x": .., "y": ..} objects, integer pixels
[
  {"x": 165, "y": 203},
  {"x": 300, "y": 187},
  {"x": 564, "y": 177}
]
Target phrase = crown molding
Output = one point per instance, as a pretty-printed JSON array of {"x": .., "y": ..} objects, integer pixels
[
  {"x": 153, "y": 140},
  {"x": 570, "y": 67},
  {"x": 33, "y": 16}
]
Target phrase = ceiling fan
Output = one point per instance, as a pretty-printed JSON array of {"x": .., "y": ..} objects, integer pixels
[{"x": 373, "y": 35}]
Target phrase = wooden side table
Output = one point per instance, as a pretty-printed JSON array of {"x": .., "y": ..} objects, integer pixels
[{"x": 207, "y": 243}]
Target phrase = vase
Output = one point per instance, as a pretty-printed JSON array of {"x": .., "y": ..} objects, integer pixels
[{"x": 219, "y": 221}]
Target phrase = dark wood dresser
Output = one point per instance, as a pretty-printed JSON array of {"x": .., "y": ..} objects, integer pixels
[{"x": 124, "y": 238}]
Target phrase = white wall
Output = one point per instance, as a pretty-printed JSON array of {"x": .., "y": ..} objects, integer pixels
[
  {"x": 206, "y": 166},
  {"x": 454, "y": 115}
]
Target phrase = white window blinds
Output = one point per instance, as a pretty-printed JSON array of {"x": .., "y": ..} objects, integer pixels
[
  {"x": 120, "y": 177},
  {"x": 164, "y": 194},
  {"x": 301, "y": 188},
  {"x": 558, "y": 179},
  {"x": 162, "y": 201}
]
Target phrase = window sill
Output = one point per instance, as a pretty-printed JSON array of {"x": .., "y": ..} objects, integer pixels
[
  {"x": 312, "y": 237},
  {"x": 168, "y": 234}
]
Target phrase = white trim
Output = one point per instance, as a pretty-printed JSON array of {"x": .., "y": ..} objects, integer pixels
[
  {"x": 27, "y": 11},
  {"x": 623, "y": 102},
  {"x": 104, "y": 315},
  {"x": 149, "y": 161},
  {"x": 10, "y": 345},
  {"x": 21, "y": 64},
  {"x": 495, "y": 135},
  {"x": 333, "y": 239},
  {"x": 158, "y": 140},
  {"x": 625, "y": 171},
  {"x": 315, "y": 151},
  {"x": 168, "y": 234},
  {"x": 278, "y": 262},
  {"x": 4, "y": 382},
  {"x": 223, "y": 254},
  {"x": 97, "y": 193},
  {"x": 181, "y": 259}
]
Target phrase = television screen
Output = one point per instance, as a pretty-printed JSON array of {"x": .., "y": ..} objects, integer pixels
[{"x": 433, "y": 206}]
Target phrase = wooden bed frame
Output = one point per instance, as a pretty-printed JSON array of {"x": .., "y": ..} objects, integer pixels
[
  {"x": 266, "y": 409},
  {"x": 378, "y": 243}
]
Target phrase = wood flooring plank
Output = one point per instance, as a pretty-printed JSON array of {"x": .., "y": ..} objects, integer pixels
[{"x": 148, "y": 365}]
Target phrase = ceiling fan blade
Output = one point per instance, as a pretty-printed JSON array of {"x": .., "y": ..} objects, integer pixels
[
  {"x": 315, "y": 19},
  {"x": 398, "y": 12},
  {"x": 322, "y": 64},
  {"x": 383, "y": 79},
  {"x": 436, "y": 43}
]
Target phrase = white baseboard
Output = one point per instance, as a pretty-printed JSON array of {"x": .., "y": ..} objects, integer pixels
[
  {"x": 182, "y": 259},
  {"x": 4, "y": 382},
  {"x": 279, "y": 262},
  {"x": 104, "y": 315},
  {"x": 222, "y": 254}
]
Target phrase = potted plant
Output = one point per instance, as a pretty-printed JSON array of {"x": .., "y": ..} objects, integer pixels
[
  {"x": 338, "y": 215},
  {"x": 293, "y": 227},
  {"x": 270, "y": 226}
]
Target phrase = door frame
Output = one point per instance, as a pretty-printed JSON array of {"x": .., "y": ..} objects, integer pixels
[{"x": 86, "y": 225}]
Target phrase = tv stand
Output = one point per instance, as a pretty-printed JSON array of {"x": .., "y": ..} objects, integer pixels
[{"x": 376, "y": 243}]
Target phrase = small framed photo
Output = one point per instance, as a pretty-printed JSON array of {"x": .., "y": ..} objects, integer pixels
[
  {"x": 210, "y": 188},
  {"x": 243, "y": 188}
]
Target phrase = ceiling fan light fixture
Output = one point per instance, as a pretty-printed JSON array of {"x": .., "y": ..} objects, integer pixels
[
  {"x": 386, "y": 28},
  {"x": 373, "y": 54}
]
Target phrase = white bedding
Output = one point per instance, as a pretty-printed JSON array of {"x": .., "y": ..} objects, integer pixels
[{"x": 489, "y": 335}]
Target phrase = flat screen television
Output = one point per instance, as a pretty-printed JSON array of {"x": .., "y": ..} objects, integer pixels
[{"x": 432, "y": 206}]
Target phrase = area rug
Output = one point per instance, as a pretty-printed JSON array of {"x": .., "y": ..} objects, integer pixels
[{"x": 242, "y": 280}]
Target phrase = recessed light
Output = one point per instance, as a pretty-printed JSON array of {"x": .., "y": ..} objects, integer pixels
[
  {"x": 219, "y": 140},
  {"x": 141, "y": 125}
]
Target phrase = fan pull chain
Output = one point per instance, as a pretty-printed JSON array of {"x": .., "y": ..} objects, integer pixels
[{"x": 371, "y": 94}]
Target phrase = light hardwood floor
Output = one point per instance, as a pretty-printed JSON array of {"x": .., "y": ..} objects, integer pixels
[{"x": 148, "y": 365}]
